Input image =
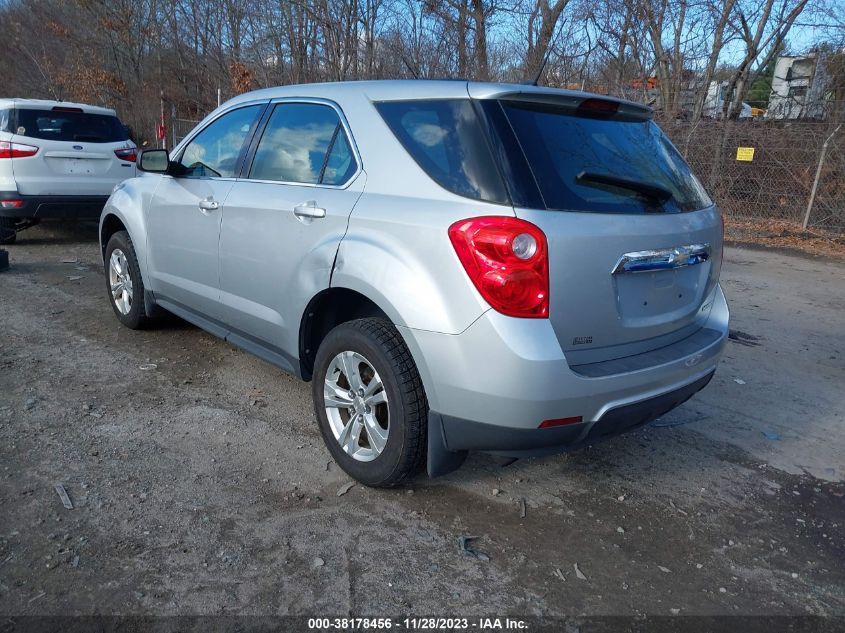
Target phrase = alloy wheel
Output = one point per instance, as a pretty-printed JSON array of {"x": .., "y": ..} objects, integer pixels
[
  {"x": 120, "y": 281},
  {"x": 356, "y": 406}
]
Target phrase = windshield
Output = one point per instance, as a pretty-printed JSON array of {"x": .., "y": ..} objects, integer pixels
[
  {"x": 69, "y": 126},
  {"x": 602, "y": 165}
]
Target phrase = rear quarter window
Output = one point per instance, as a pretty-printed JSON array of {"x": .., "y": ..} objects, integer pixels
[
  {"x": 446, "y": 139},
  {"x": 81, "y": 127}
]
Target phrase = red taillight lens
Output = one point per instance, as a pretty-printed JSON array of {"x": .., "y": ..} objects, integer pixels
[
  {"x": 16, "y": 150},
  {"x": 11, "y": 204},
  {"x": 130, "y": 154},
  {"x": 507, "y": 261}
]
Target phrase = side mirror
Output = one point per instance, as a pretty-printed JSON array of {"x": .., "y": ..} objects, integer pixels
[{"x": 156, "y": 161}]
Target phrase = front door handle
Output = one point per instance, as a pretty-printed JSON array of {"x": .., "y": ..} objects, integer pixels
[
  {"x": 209, "y": 205},
  {"x": 309, "y": 210}
]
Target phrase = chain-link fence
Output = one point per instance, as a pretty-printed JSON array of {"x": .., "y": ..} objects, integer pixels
[
  {"x": 769, "y": 170},
  {"x": 179, "y": 129}
]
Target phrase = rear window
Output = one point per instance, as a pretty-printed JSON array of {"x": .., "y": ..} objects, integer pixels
[
  {"x": 602, "y": 165},
  {"x": 446, "y": 139},
  {"x": 69, "y": 126}
]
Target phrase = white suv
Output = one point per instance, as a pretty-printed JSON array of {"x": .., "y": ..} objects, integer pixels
[{"x": 58, "y": 160}]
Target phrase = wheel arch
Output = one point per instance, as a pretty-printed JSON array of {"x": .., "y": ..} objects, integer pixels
[
  {"x": 109, "y": 225},
  {"x": 326, "y": 310}
]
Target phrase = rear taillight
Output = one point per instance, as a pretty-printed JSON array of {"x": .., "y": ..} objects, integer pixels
[
  {"x": 16, "y": 150},
  {"x": 130, "y": 154},
  {"x": 507, "y": 261},
  {"x": 11, "y": 204}
]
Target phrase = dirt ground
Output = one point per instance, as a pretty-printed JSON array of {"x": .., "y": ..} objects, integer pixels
[
  {"x": 200, "y": 484},
  {"x": 785, "y": 236}
]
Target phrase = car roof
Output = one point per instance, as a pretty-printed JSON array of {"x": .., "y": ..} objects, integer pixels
[
  {"x": 399, "y": 89},
  {"x": 47, "y": 104}
]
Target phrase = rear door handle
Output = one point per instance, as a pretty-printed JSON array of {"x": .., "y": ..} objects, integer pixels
[
  {"x": 209, "y": 205},
  {"x": 309, "y": 210}
]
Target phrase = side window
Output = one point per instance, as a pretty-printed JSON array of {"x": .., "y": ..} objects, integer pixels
[
  {"x": 340, "y": 164},
  {"x": 446, "y": 139},
  {"x": 215, "y": 150},
  {"x": 303, "y": 143}
]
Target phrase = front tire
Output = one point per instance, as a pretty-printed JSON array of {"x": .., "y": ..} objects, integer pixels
[
  {"x": 370, "y": 402},
  {"x": 123, "y": 281}
]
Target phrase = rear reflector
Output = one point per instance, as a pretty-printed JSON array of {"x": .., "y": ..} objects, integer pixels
[
  {"x": 130, "y": 154},
  {"x": 11, "y": 204},
  {"x": 547, "y": 424},
  {"x": 16, "y": 150}
]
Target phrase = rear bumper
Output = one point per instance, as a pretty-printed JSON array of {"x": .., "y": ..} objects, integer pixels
[
  {"x": 462, "y": 435},
  {"x": 490, "y": 387},
  {"x": 37, "y": 207}
]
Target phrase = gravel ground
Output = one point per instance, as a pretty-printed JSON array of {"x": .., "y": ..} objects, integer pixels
[{"x": 200, "y": 485}]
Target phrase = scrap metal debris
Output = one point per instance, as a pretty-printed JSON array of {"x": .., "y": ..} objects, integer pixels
[
  {"x": 66, "y": 502},
  {"x": 463, "y": 543},
  {"x": 345, "y": 488},
  {"x": 522, "y": 508},
  {"x": 743, "y": 338},
  {"x": 559, "y": 574},
  {"x": 578, "y": 573}
]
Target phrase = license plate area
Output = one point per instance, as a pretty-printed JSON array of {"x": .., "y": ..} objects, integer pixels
[
  {"x": 652, "y": 298},
  {"x": 78, "y": 166}
]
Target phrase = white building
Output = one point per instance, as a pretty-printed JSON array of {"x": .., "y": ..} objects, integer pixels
[
  {"x": 798, "y": 88},
  {"x": 715, "y": 101}
]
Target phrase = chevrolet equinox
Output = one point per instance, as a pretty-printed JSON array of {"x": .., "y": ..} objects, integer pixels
[{"x": 455, "y": 266}]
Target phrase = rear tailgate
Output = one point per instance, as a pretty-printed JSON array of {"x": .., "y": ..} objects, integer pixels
[
  {"x": 76, "y": 153},
  {"x": 601, "y": 311},
  {"x": 634, "y": 241}
]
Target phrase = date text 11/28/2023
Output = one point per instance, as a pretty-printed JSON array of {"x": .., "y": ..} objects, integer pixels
[{"x": 417, "y": 624}]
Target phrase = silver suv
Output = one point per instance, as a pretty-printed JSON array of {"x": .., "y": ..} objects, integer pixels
[
  {"x": 455, "y": 266},
  {"x": 58, "y": 159}
]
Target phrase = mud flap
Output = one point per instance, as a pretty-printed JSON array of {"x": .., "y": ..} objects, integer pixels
[
  {"x": 151, "y": 308},
  {"x": 441, "y": 460}
]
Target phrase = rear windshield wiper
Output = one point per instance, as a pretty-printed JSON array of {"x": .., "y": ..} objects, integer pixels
[{"x": 647, "y": 189}]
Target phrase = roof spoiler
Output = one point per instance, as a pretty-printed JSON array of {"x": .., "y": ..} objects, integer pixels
[{"x": 580, "y": 104}]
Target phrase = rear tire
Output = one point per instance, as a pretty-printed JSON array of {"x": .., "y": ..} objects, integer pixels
[
  {"x": 376, "y": 353},
  {"x": 123, "y": 282},
  {"x": 8, "y": 230}
]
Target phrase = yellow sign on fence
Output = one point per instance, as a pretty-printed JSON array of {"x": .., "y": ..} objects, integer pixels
[{"x": 745, "y": 153}]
